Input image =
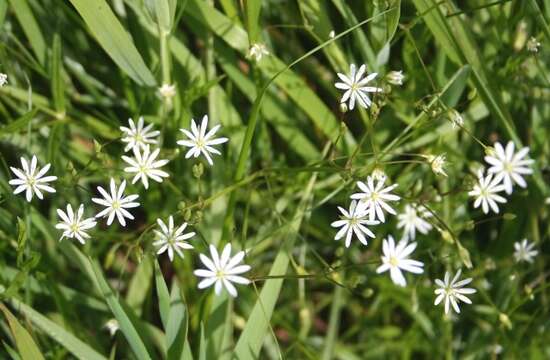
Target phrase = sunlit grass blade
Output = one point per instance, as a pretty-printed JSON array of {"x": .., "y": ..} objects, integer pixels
[
  {"x": 25, "y": 343},
  {"x": 30, "y": 26}
]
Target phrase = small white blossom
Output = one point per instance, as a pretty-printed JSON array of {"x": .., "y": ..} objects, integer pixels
[
  {"x": 395, "y": 77},
  {"x": 437, "y": 163},
  {"x": 533, "y": 45},
  {"x": 374, "y": 198},
  {"x": 355, "y": 87},
  {"x": 167, "y": 91},
  {"x": 145, "y": 166},
  {"x": 222, "y": 271},
  {"x": 509, "y": 167},
  {"x": 486, "y": 192},
  {"x": 3, "y": 79},
  {"x": 456, "y": 118},
  {"x": 453, "y": 291},
  {"x": 524, "y": 251},
  {"x": 396, "y": 258},
  {"x": 412, "y": 220},
  {"x": 331, "y": 34},
  {"x": 138, "y": 136},
  {"x": 257, "y": 52},
  {"x": 200, "y": 141},
  {"x": 116, "y": 203},
  {"x": 112, "y": 326},
  {"x": 353, "y": 221},
  {"x": 73, "y": 225},
  {"x": 31, "y": 179},
  {"x": 172, "y": 239}
]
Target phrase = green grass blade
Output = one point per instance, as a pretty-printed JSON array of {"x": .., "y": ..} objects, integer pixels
[
  {"x": 140, "y": 285},
  {"x": 114, "y": 39},
  {"x": 252, "y": 12},
  {"x": 18, "y": 124},
  {"x": 28, "y": 22},
  {"x": 176, "y": 330},
  {"x": 24, "y": 341},
  {"x": 163, "y": 295},
  {"x": 58, "y": 85}
]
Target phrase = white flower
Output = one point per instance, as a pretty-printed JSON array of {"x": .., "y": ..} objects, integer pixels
[
  {"x": 353, "y": 221},
  {"x": 524, "y": 251},
  {"x": 453, "y": 291},
  {"x": 396, "y": 258},
  {"x": 145, "y": 166},
  {"x": 355, "y": 87},
  {"x": 222, "y": 270},
  {"x": 533, "y": 44},
  {"x": 200, "y": 141},
  {"x": 116, "y": 203},
  {"x": 456, "y": 119},
  {"x": 374, "y": 198},
  {"x": 395, "y": 77},
  {"x": 172, "y": 239},
  {"x": 257, "y": 52},
  {"x": 3, "y": 79},
  {"x": 331, "y": 34},
  {"x": 31, "y": 179},
  {"x": 73, "y": 225},
  {"x": 437, "y": 162},
  {"x": 112, "y": 325},
  {"x": 509, "y": 167},
  {"x": 167, "y": 91},
  {"x": 138, "y": 136},
  {"x": 413, "y": 219},
  {"x": 486, "y": 192}
]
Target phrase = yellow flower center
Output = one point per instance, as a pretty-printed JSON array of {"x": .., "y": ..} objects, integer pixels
[{"x": 393, "y": 261}]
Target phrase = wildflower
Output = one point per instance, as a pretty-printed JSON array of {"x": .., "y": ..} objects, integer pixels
[
  {"x": 31, "y": 179},
  {"x": 355, "y": 87},
  {"x": 437, "y": 162},
  {"x": 486, "y": 192},
  {"x": 524, "y": 251},
  {"x": 112, "y": 326},
  {"x": 222, "y": 270},
  {"x": 533, "y": 45},
  {"x": 456, "y": 119},
  {"x": 200, "y": 141},
  {"x": 453, "y": 291},
  {"x": 353, "y": 221},
  {"x": 373, "y": 198},
  {"x": 3, "y": 79},
  {"x": 138, "y": 136},
  {"x": 379, "y": 174},
  {"x": 167, "y": 91},
  {"x": 395, "y": 77},
  {"x": 172, "y": 239},
  {"x": 396, "y": 258},
  {"x": 331, "y": 34},
  {"x": 145, "y": 166},
  {"x": 73, "y": 225},
  {"x": 412, "y": 220},
  {"x": 116, "y": 203},
  {"x": 257, "y": 52},
  {"x": 509, "y": 167}
]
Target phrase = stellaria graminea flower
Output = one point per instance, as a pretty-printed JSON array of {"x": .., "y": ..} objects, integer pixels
[
  {"x": 355, "y": 87},
  {"x": 456, "y": 119},
  {"x": 138, "y": 136},
  {"x": 353, "y": 221},
  {"x": 257, "y": 52},
  {"x": 116, "y": 203},
  {"x": 396, "y": 258},
  {"x": 200, "y": 141},
  {"x": 172, "y": 240},
  {"x": 167, "y": 91},
  {"x": 73, "y": 225},
  {"x": 524, "y": 251},
  {"x": 374, "y": 198},
  {"x": 412, "y": 219},
  {"x": 395, "y": 77},
  {"x": 145, "y": 166},
  {"x": 509, "y": 167},
  {"x": 222, "y": 270},
  {"x": 486, "y": 192},
  {"x": 453, "y": 291},
  {"x": 31, "y": 179},
  {"x": 3, "y": 79},
  {"x": 437, "y": 162},
  {"x": 112, "y": 326},
  {"x": 533, "y": 45}
]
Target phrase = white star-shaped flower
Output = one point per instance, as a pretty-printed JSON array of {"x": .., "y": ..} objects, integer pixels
[
  {"x": 374, "y": 198},
  {"x": 453, "y": 291},
  {"x": 73, "y": 225},
  {"x": 437, "y": 163},
  {"x": 222, "y": 271},
  {"x": 353, "y": 221},
  {"x": 257, "y": 52},
  {"x": 145, "y": 166},
  {"x": 509, "y": 167},
  {"x": 167, "y": 91},
  {"x": 355, "y": 87},
  {"x": 486, "y": 192},
  {"x": 138, "y": 136},
  {"x": 200, "y": 141},
  {"x": 524, "y": 251},
  {"x": 412, "y": 219},
  {"x": 116, "y": 203},
  {"x": 31, "y": 179},
  {"x": 396, "y": 258},
  {"x": 172, "y": 239},
  {"x": 395, "y": 77},
  {"x": 3, "y": 79}
]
